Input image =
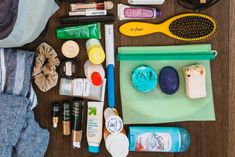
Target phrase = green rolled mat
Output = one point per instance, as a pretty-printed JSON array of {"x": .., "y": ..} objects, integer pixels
[{"x": 157, "y": 107}]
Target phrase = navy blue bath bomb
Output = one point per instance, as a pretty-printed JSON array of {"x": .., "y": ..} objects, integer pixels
[
  {"x": 144, "y": 79},
  {"x": 169, "y": 80}
]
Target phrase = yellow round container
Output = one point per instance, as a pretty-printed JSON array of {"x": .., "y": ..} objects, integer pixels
[{"x": 95, "y": 51}]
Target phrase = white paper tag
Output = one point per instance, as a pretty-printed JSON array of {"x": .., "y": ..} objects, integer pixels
[
  {"x": 77, "y": 87},
  {"x": 68, "y": 68},
  {"x": 86, "y": 87}
]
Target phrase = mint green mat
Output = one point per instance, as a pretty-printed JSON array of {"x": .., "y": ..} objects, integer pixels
[{"x": 157, "y": 107}]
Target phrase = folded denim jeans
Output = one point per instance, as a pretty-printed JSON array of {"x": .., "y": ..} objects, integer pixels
[
  {"x": 12, "y": 118},
  {"x": 19, "y": 130}
]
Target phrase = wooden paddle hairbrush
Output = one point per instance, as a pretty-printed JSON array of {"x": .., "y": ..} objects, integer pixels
[{"x": 187, "y": 27}]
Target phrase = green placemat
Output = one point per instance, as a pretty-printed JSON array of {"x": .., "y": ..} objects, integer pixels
[{"x": 157, "y": 107}]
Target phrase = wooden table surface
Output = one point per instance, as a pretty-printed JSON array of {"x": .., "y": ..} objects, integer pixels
[{"x": 208, "y": 139}]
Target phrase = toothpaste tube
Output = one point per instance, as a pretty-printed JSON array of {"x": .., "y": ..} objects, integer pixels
[
  {"x": 79, "y": 32},
  {"x": 126, "y": 12}
]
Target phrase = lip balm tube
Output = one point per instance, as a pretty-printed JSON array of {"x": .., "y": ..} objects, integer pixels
[
  {"x": 113, "y": 122},
  {"x": 94, "y": 73},
  {"x": 126, "y": 12},
  {"x": 88, "y": 12},
  {"x": 66, "y": 118},
  {"x": 55, "y": 114},
  {"x": 94, "y": 125},
  {"x": 77, "y": 117},
  {"x": 146, "y": 2},
  {"x": 79, "y": 32}
]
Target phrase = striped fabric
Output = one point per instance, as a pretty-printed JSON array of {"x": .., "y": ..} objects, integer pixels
[
  {"x": 18, "y": 128},
  {"x": 15, "y": 73}
]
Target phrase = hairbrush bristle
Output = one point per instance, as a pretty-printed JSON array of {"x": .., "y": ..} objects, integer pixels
[{"x": 193, "y": 28}]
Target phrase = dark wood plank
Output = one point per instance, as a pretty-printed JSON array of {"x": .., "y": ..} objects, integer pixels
[
  {"x": 208, "y": 138},
  {"x": 231, "y": 128}
]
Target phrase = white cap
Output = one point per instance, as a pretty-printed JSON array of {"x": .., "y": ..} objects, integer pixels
[
  {"x": 76, "y": 144},
  {"x": 117, "y": 144},
  {"x": 114, "y": 124},
  {"x": 55, "y": 125}
]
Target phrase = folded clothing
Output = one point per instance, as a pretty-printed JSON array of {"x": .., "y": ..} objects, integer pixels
[
  {"x": 13, "y": 110},
  {"x": 34, "y": 138},
  {"x": 19, "y": 130},
  {"x": 8, "y": 14},
  {"x": 15, "y": 73},
  {"x": 31, "y": 19}
]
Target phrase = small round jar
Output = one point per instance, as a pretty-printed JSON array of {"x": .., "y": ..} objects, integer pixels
[
  {"x": 69, "y": 69},
  {"x": 70, "y": 49},
  {"x": 144, "y": 79}
]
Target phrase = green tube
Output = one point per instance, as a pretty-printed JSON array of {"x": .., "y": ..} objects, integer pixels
[{"x": 82, "y": 32}]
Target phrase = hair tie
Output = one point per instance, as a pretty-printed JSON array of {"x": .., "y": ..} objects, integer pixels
[{"x": 44, "y": 71}]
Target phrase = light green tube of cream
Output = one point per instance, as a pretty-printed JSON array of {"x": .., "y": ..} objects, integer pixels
[{"x": 82, "y": 32}]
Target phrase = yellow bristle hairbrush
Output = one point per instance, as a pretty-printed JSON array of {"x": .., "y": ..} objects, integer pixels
[{"x": 187, "y": 27}]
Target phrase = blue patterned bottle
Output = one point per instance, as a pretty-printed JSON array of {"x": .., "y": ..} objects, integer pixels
[{"x": 158, "y": 139}]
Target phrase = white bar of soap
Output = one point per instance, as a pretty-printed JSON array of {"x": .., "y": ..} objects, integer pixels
[{"x": 195, "y": 79}]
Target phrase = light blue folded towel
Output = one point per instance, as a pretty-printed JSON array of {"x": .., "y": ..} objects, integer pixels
[{"x": 32, "y": 18}]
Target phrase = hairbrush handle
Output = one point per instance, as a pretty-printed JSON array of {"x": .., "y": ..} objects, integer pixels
[{"x": 141, "y": 28}]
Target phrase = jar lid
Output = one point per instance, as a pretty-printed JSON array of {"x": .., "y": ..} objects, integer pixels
[
  {"x": 114, "y": 124},
  {"x": 96, "y": 55},
  {"x": 70, "y": 49},
  {"x": 117, "y": 144}
]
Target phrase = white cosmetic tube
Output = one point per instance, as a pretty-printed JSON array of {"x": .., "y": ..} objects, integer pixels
[
  {"x": 146, "y": 2},
  {"x": 94, "y": 125}
]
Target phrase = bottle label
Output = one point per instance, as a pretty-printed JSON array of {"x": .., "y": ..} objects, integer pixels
[
  {"x": 68, "y": 67},
  {"x": 139, "y": 13},
  {"x": 157, "y": 142},
  {"x": 114, "y": 124}
]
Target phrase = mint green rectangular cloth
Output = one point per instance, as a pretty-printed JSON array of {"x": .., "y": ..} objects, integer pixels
[{"x": 157, "y": 107}]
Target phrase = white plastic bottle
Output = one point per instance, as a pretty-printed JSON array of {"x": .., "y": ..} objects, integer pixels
[
  {"x": 94, "y": 72},
  {"x": 113, "y": 122}
]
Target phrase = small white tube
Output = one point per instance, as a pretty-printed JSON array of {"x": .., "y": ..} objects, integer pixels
[
  {"x": 94, "y": 125},
  {"x": 88, "y": 12},
  {"x": 146, "y": 2}
]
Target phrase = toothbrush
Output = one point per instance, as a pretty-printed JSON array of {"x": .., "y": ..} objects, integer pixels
[{"x": 110, "y": 64}]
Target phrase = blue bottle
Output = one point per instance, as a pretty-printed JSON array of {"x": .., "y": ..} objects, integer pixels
[{"x": 158, "y": 139}]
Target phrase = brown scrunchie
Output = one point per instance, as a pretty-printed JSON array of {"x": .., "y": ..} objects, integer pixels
[{"x": 44, "y": 71}]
